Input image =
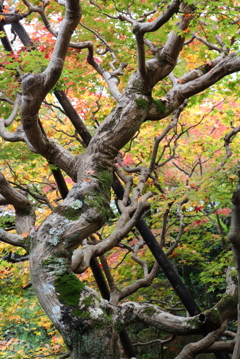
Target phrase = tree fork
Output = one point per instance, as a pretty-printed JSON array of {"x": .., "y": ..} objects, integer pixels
[
  {"x": 144, "y": 230},
  {"x": 81, "y": 129},
  {"x": 103, "y": 287},
  {"x": 23, "y": 35}
]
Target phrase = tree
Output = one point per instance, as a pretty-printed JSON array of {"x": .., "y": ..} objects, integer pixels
[{"x": 171, "y": 38}]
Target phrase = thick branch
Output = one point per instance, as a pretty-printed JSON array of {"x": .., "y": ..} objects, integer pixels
[
  {"x": 100, "y": 248},
  {"x": 192, "y": 349},
  {"x": 204, "y": 322},
  {"x": 4, "y": 39},
  {"x": 175, "y": 97},
  {"x": 17, "y": 136},
  {"x": 156, "y": 24},
  {"x": 35, "y": 88},
  {"x": 11, "y": 238},
  {"x": 25, "y": 216},
  {"x": 162, "y": 19},
  {"x": 234, "y": 237},
  {"x": 201, "y": 70},
  {"x": 143, "y": 282},
  {"x": 109, "y": 77},
  {"x": 17, "y": 199},
  {"x": 3, "y": 201}
]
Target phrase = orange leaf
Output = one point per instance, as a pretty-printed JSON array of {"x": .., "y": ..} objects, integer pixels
[{"x": 24, "y": 235}]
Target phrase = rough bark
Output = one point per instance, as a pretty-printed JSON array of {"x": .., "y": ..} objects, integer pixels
[
  {"x": 78, "y": 312},
  {"x": 234, "y": 237}
]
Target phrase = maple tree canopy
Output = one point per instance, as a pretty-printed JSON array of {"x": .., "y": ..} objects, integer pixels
[{"x": 119, "y": 158}]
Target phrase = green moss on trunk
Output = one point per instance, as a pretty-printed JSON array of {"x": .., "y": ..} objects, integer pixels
[
  {"x": 105, "y": 179},
  {"x": 160, "y": 106},
  {"x": 73, "y": 212},
  {"x": 98, "y": 201},
  {"x": 69, "y": 289},
  {"x": 142, "y": 103}
]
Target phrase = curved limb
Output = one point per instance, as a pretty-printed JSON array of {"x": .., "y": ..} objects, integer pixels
[
  {"x": 36, "y": 86},
  {"x": 25, "y": 215},
  {"x": 193, "y": 349},
  {"x": 13, "y": 239},
  {"x": 109, "y": 77},
  {"x": 176, "y": 96}
]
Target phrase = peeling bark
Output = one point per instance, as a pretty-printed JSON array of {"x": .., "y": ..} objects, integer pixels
[{"x": 90, "y": 325}]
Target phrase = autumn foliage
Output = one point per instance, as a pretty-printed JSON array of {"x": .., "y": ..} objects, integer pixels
[{"x": 177, "y": 171}]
